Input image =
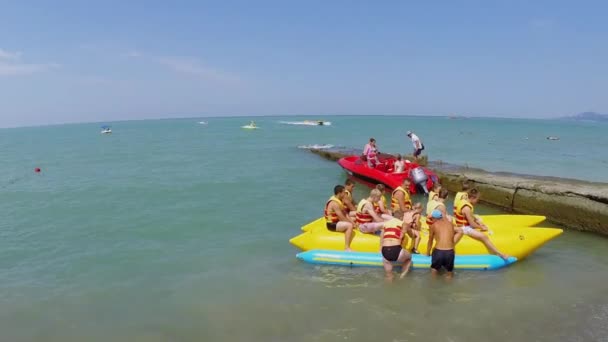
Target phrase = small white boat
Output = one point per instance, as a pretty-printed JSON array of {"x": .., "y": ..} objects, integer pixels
[
  {"x": 106, "y": 130},
  {"x": 251, "y": 125},
  {"x": 552, "y": 138},
  {"x": 202, "y": 122}
]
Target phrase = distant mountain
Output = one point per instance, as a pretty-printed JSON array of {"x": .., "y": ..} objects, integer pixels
[{"x": 588, "y": 116}]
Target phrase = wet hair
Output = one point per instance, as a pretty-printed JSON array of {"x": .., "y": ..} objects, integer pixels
[
  {"x": 436, "y": 186},
  {"x": 338, "y": 189},
  {"x": 398, "y": 156},
  {"x": 372, "y": 140},
  {"x": 407, "y": 180},
  {"x": 348, "y": 182},
  {"x": 380, "y": 187},
  {"x": 417, "y": 206},
  {"x": 375, "y": 193},
  {"x": 466, "y": 185},
  {"x": 473, "y": 193},
  {"x": 443, "y": 193}
]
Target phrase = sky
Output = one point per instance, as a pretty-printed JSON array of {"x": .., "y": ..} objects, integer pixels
[{"x": 103, "y": 61}]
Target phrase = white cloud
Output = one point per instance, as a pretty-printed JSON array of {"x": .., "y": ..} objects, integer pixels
[
  {"x": 7, "y": 55},
  {"x": 132, "y": 54},
  {"x": 193, "y": 67},
  {"x": 11, "y": 65}
]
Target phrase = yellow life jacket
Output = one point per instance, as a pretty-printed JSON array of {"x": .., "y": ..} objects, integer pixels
[
  {"x": 377, "y": 206},
  {"x": 430, "y": 206},
  {"x": 330, "y": 215},
  {"x": 459, "y": 217},
  {"x": 392, "y": 229},
  {"x": 406, "y": 199},
  {"x": 360, "y": 216},
  {"x": 462, "y": 195}
]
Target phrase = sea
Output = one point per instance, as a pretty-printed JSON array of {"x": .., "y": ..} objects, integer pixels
[{"x": 173, "y": 230}]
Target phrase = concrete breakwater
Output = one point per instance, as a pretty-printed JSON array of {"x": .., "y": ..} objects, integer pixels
[{"x": 575, "y": 204}]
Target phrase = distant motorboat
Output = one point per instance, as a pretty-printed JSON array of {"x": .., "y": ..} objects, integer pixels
[
  {"x": 106, "y": 130},
  {"x": 552, "y": 138},
  {"x": 202, "y": 122},
  {"x": 308, "y": 123},
  {"x": 251, "y": 125}
]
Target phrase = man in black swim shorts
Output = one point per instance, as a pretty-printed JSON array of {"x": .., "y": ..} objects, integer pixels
[{"x": 442, "y": 232}]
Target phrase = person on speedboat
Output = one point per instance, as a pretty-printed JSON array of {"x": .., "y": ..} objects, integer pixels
[
  {"x": 442, "y": 231},
  {"x": 381, "y": 206},
  {"x": 467, "y": 223},
  {"x": 370, "y": 151},
  {"x": 349, "y": 201},
  {"x": 392, "y": 238},
  {"x": 335, "y": 219},
  {"x": 252, "y": 124},
  {"x": 399, "y": 165},
  {"x": 366, "y": 217}
]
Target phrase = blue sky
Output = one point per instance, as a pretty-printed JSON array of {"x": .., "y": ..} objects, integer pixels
[{"x": 75, "y": 61}]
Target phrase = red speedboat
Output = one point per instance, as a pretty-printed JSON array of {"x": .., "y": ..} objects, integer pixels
[{"x": 383, "y": 173}]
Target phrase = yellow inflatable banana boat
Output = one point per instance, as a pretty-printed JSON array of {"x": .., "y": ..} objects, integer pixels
[
  {"x": 514, "y": 241},
  {"x": 492, "y": 221}
]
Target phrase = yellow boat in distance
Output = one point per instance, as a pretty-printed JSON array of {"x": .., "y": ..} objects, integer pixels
[
  {"x": 492, "y": 221},
  {"x": 514, "y": 241}
]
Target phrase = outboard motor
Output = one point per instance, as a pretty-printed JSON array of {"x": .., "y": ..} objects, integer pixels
[{"x": 419, "y": 178}]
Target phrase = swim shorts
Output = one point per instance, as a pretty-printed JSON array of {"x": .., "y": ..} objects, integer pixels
[
  {"x": 391, "y": 253},
  {"x": 443, "y": 258},
  {"x": 370, "y": 227},
  {"x": 467, "y": 230},
  {"x": 331, "y": 226},
  {"x": 418, "y": 151}
]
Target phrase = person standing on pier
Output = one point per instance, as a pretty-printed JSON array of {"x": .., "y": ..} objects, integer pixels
[{"x": 418, "y": 145}]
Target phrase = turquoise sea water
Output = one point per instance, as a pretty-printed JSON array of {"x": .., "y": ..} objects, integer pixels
[{"x": 169, "y": 230}]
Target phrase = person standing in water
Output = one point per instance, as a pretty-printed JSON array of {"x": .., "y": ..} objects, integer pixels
[
  {"x": 418, "y": 145},
  {"x": 442, "y": 233},
  {"x": 335, "y": 219},
  {"x": 392, "y": 238}
]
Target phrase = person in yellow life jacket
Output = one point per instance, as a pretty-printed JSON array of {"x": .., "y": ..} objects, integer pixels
[
  {"x": 367, "y": 219},
  {"x": 335, "y": 219},
  {"x": 461, "y": 195},
  {"x": 437, "y": 204},
  {"x": 413, "y": 229},
  {"x": 434, "y": 194},
  {"x": 349, "y": 201},
  {"x": 381, "y": 206},
  {"x": 466, "y": 221},
  {"x": 394, "y": 235},
  {"x": 400, "y": 199}
]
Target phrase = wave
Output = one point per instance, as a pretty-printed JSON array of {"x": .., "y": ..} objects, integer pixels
[
  {"x": 316, "y": 146},
  {"x": 307, "y": 123}
]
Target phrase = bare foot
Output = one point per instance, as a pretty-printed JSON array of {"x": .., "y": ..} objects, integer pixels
[
  {"x": 348, "y": 249},
  {"x": 504, "y": 256}
]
